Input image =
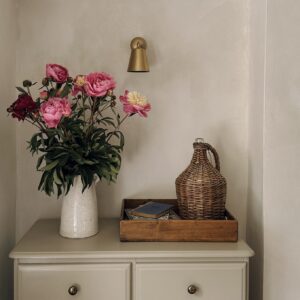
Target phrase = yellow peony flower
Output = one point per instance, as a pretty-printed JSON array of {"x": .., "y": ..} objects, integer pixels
[
  {"x": 136, "y": 98},
  {"x": 80, "y": 80},
  {"x": 135, "y": 103}
]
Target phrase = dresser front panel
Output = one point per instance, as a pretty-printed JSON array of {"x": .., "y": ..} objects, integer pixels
[
  {"x": 170, "y": 281},
  {"x": 93, "y": 281}
]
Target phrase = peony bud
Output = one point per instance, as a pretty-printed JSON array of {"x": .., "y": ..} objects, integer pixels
[
  {"x": 27, "y": 83},
  {"x": 45, "y": 81},
  {"x": 43, "y": 95}
]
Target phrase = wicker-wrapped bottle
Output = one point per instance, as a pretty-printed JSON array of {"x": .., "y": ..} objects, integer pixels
[{"x": 200, "y": 188}]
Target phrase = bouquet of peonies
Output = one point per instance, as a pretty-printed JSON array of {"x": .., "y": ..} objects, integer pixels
[{"x": 78, "y": 126}]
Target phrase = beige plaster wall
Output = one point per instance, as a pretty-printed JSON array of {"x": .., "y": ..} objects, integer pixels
[
  {"x": 7, "y": 147},
  {"x": 197, "y": 87},
  {"x": 282, "y": 149}
]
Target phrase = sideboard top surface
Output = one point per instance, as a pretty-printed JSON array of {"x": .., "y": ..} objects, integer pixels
[{"x": 43, "y": 241}]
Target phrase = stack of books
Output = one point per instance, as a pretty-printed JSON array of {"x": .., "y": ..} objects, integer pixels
[{"x": 152, "y": 211}]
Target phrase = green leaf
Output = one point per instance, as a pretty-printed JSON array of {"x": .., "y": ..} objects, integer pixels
[
  {"x": 69, "y": 181},
  {"x": 34, "y": 143},
  {"x": 106, "y": 121},
  {"x": 39, "y": 162},
  {"x": 58, "y": 85},
  {"x": 120, "y": 136},
  {"x": 88, "y": 162},
  {"x": 66, "y": 90},
  {"x": 52, "y": 93},
  {"x": 74, "y": 106},
  {"x": 42, "y": 181},
  {"x": 59, "y": 155},
  {"x": 114, "y": 170},
  {"x": 50, "y": 166},
  {"x": 21, "y": 90},
  {"x": 56, "y": 178},
  {"x": 48, "y": 186},
  {"x": 59, "y": 190}
]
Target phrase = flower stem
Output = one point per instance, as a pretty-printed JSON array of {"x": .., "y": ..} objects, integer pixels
[
  {"x": 117, "y": 128},
  {"x": 125, "y": 117},
  {"x": 28, "y": 91},
  {"x": 104, "y": 108},
  {"x": 33, "y": 123}
]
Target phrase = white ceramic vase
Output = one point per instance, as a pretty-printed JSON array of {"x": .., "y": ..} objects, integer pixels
[{"x": 79, "y": 214}]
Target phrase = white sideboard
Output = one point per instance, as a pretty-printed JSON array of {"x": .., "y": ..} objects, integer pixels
[{"x": 49, "y": 267}]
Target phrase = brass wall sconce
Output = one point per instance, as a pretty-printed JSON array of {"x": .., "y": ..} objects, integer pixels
[{"x": 138, "y": 61}]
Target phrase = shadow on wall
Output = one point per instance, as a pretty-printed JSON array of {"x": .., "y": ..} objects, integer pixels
[
  {"x": 254, "y": 234},
  {"x": 231, "y": 150}
]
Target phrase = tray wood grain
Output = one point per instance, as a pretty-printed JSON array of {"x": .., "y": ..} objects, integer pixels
[{"x": 175, "y": 230}]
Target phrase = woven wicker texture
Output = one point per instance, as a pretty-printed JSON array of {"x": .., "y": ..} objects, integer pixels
[{"x": 200, "y": 188}]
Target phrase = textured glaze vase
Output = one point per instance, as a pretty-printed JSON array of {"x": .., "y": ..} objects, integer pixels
[{"x": 79, "y": 214}]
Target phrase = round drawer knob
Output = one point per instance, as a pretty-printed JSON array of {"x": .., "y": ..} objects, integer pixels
[
  {"x": 192, "y": 289},
  {"x": 73, "y": 290}
]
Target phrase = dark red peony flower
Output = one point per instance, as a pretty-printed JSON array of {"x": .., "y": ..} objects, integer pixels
[{"x": 22, "y": 106}]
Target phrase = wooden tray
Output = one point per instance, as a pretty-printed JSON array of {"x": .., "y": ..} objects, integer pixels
[{"x": 175, "y": 230}]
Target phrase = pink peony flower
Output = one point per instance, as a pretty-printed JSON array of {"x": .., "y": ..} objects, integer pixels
[
  {"x": 53, "y": 110},
  {"x": 98, "y": 84},
  {"x": 134, "y": 102},
  {"x": 66, "y": 107},
  {"x": 79, "y": 82},
  {"x": 58, "y": 73}
]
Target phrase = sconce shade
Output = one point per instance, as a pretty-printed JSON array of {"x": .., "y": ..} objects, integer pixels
[{"x": 138, "y": 61}]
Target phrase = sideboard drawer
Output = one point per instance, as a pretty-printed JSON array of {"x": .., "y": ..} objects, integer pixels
[
  {"x": 213, "y": 281},
  {"x": 85, "y": 281}
]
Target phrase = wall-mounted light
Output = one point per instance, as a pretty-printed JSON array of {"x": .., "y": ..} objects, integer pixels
[{"x": 138, "y": 61}]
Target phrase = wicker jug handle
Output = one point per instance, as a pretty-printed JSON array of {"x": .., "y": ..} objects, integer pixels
[{"x": 216, "y": 156}]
